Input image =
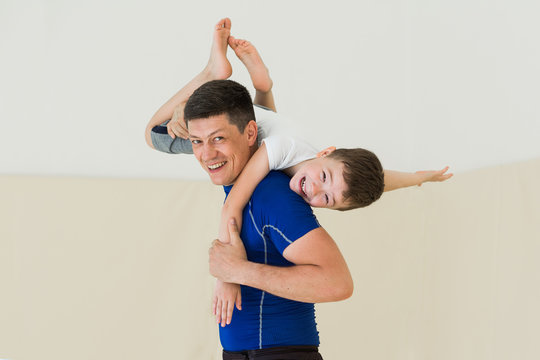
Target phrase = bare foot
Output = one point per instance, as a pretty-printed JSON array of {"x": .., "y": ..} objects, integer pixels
[
  {"x": 247, "y": 53},
  {"x": 219, "y": 67}
]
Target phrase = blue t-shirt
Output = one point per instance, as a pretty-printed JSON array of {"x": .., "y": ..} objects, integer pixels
[{"x": 274, "y": 218}]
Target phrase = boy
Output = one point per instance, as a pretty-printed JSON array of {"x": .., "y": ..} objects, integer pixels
[{"x": 339, "y": 179}]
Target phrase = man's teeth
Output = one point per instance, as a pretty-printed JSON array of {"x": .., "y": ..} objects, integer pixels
[
  {"x": 215, "y": 166},
  {"x": 303, "y": 184}
]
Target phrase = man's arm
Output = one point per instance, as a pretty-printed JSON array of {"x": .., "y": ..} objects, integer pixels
[{"x": 320, "y": 273}]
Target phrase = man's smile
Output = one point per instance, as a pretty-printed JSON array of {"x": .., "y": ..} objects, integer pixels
[{"x": 216, "y": 166}]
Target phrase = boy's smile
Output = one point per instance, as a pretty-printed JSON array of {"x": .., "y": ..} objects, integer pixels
[{"x": 320, "y": 182}]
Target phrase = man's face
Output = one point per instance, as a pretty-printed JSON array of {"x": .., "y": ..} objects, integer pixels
[
  {"x": 222, "y": 150},
  {"x": 320, "y": 183}
]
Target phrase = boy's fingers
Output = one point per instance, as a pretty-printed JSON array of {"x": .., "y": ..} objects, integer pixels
[
  {"x": 170, "y": 132},
  {"x": 239, "y": 301},
  {"x": 184, "y": 134},
  {"x": 224, "y": 313},
  {"x": 218, "y": 311},
  {"x": 233, "y": 231},
  {"x": 230, "y": 309}
]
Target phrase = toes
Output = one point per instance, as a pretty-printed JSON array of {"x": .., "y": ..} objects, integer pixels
[
  {"x": 232, "y": 42},
  {"x": 224, "y": 23},
  {"x": 227, "y": 23}
]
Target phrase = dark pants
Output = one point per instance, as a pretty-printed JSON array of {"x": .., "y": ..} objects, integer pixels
[{"x": 276, "y": 353}]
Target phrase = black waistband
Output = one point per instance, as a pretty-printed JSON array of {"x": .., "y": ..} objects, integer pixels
[{"x": 271, "y": 353}]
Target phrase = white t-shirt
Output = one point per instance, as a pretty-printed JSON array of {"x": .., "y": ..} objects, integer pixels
[{"x": 283, "y": 146}]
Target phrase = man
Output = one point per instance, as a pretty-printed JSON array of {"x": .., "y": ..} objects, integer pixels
[{"x": 291, "y": 261}]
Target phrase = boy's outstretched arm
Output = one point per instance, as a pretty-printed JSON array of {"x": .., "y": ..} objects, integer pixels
[{"x": 396, "y": 179}]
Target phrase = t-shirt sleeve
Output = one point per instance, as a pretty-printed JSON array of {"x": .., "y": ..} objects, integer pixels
[
  {"x": 287, "y": 217},
  {"x": 162, "y": 141},
  {"x": 287, "y": 151}
]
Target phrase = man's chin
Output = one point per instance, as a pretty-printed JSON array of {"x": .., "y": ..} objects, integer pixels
[{"x": 216, "y": 180}]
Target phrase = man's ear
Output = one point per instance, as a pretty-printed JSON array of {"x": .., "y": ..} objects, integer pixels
[
  {"x": 251, "y": 132},
  {"x": 326, "y": 151}
]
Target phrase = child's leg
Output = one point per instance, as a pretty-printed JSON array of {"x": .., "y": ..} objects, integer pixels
[
  {"x": 258, "y": 72},
  {"x": 218, "y": 68}
]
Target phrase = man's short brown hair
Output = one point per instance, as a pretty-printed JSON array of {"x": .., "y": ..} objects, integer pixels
[
  {"x": 218, "y": 97},
  {"x": 363, "y": 174}
]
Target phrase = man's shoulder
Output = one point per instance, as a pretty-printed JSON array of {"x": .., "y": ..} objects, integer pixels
[
  {"x": 275, "y": 206},
  {"x": 273, "y": 193},
  {"x": 275, "y": 182}
]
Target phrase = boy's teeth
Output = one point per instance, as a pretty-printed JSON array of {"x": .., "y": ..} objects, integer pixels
[
  {"x": 215, "y": 166},
  {"x": 304, "y": 185}
]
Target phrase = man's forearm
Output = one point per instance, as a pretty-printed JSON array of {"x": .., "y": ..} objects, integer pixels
[
  {"x": 306, "y": 283},
  {"x": 320, "y": 273}
]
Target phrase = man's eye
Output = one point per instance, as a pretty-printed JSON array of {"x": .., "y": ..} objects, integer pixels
[
  {"x": 327, "y": 200},
  {"x": 195, "y": 142},
  {"x": 218, "y": 138},
  {"x": 323, "y": 176}
]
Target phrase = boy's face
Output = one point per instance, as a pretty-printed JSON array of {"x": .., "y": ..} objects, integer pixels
[
  {"x": 320, "y": 183},
  {"x": 222, "y": 150}
]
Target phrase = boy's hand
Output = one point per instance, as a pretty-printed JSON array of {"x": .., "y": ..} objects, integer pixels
[
  {"x": 433, "y": 175},
  {"x": 226, "y": 216},
  {"x": 225, "y": 296},
  {"x": 177, "y": 125}
]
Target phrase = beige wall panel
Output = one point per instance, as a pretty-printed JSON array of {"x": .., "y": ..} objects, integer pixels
[{"x": 117, "y": 269}]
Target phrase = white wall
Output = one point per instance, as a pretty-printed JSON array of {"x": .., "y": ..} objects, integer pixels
[{"x": 422, "y": 83}]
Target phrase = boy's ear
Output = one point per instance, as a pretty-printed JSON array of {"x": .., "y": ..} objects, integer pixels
[
  {"x": 326, "y": 151},
  {"x": 251, "y": 132}
]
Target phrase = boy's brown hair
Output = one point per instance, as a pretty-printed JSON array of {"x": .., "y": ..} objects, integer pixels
[{"x": 363, "y": 174}]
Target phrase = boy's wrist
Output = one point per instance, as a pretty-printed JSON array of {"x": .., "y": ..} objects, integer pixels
[{"x": 420, "y": 178}]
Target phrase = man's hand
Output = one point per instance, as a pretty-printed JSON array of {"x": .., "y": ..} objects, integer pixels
[
  {"x": 177, "y": 125},
  {"x": 225, "y": 296},
  {"x": 433, "y": 175},
  {"x": 225, "y": 259}
]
